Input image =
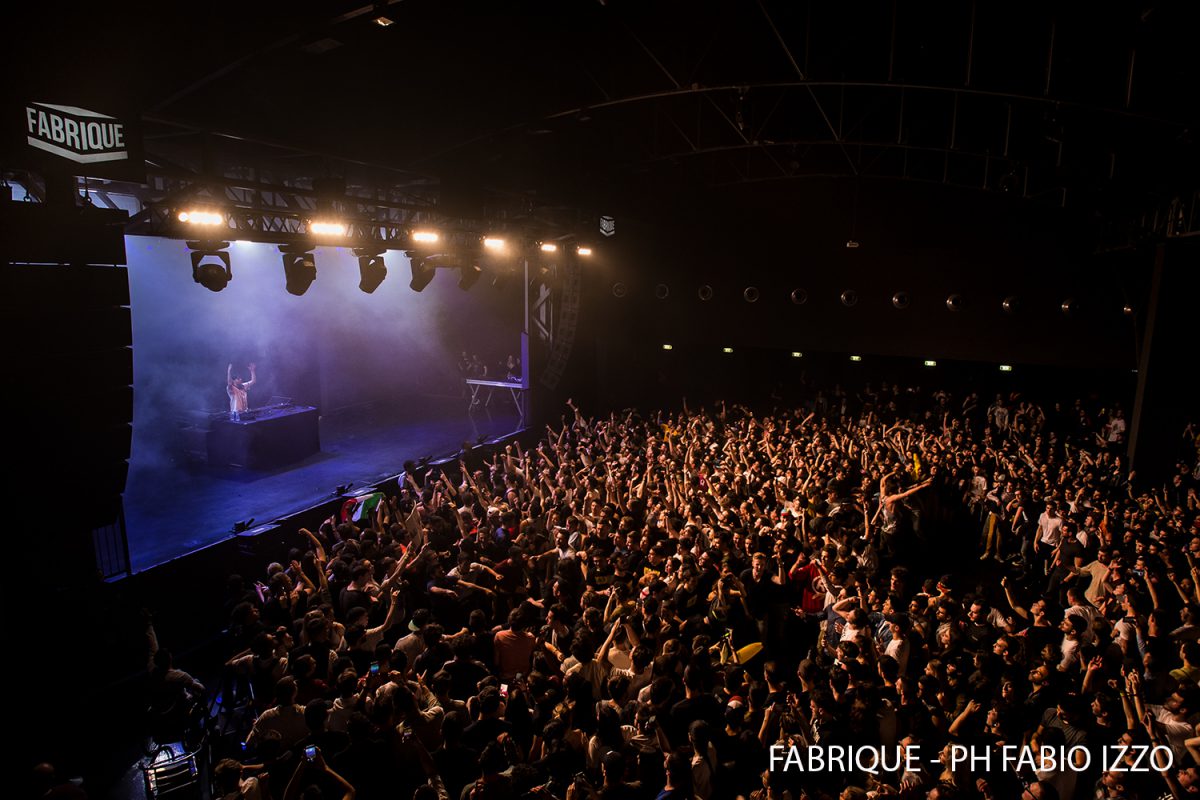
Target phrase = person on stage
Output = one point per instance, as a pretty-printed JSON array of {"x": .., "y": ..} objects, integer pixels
[{"x": 237, "y": 391}]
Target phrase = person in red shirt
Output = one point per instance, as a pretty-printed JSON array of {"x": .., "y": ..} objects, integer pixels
[
  {"x": 513, "y": 648},
  {"x": 807, "y": 575}
]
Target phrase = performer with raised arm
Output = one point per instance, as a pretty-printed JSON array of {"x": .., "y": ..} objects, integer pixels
[{"x": 237, "y": 391}]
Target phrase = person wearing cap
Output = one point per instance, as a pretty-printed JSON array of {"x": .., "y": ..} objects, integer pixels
[{"x": 413, "y": 644}]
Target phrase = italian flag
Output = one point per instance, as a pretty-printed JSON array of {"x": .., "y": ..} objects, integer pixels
[{"x": 361, "y": 508}]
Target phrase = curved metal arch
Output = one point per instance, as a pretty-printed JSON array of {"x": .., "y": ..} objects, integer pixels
[
  {"x": 831, "y": 143},
  {"x": 873, "y": 176},
  {"x": 1008, "y": 165},
  {"x": 686, "y": 91},
  {"x": 920, "y": 87}
]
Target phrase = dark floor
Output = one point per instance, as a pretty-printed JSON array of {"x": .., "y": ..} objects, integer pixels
[{"x": 175, "y": 510}]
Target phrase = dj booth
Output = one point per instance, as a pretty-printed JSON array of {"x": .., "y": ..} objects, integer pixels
[
  {"x": 518, "y": 391},
  {"x": 264, "y": 438}
]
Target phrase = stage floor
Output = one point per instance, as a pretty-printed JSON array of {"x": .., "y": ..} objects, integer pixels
[{"x": 174, "y": 509}]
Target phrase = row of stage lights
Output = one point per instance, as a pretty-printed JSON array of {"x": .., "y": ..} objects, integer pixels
[
  {"x": 856, "y": 359},
  {"x": 212, "y": 267},
  {"x": 849, "y": 298}
]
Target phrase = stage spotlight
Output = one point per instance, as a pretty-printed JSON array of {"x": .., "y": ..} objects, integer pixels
[
  {"x": 797, "y": 354},
  {"x": 425, "y": 237},
  {"x": 849, "y": 298},
  {"x": 901, "y": 300},
  {"x": 1069, "y": 306},
  {"x": 299, "y": 271},
  {"x": 548, "y": 247},
  {"x": 1011, "y": 304},
  {"x": 380, "y": 17},
  {"x": 726, "y": 350},
  {"x": 856, "y": 359},
  {"x": 751, "y": 295},
  {"x": 210, "y": 265},
  {"x": 199, "y": 216},
  {"x": 371, "y": 269},
  {"x": 799, "y": 297},
  {"x": 422, "y": 273},
  {"x": 583, "y": 251},
  {"x": 1127, "y": 310},
  {"x": 705, "y": 293},
  {"x": 211, "y": 270},
  {"x": 325, "y": 227},
  {"x": 494, "y": 244},
  {"x": 619, "y": 289},
  {"x": 930, "y": 363},
  {"x": 954, "y": 302},
  {"x": 662, "y": 291},
  {"x": 383, "y": 21},
  {"x": 668, "y": 347},
  {"x": 1006, "y": 367},
  {"x": 468, "y": 275}
]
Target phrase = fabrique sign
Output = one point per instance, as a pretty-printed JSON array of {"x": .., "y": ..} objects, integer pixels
[
  {"x": 76, "y": 134},
  {"x": 81, "y": 135}
]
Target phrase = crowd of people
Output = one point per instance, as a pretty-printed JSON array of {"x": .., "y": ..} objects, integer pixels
[{"x": 650, "y": 605}]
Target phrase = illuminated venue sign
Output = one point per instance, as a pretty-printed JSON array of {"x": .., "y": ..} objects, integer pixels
[
  {"x": 83, "y": 135},
  {"x": 76, "y": 134}
]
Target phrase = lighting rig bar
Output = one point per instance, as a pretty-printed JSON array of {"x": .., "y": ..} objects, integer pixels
[
  {"x": 270, "y": 226},
  {"x": 275, "y": 214},
  {"x": 329, "y": 212},
  {"x": 330, "y": 228}
]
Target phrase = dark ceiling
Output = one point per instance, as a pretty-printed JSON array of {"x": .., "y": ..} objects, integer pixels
[{"x": 578, "y": 103}]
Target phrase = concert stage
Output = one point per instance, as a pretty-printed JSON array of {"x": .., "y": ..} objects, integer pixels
[{"x": 173, "y": 509}]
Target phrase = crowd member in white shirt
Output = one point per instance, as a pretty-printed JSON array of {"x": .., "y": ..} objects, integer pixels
[
  {"x": 1049, "y": 533},
  {"x": 1072, "y": 627}
]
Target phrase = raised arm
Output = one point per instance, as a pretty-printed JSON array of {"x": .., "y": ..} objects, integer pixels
[
  {"x": 908, "y": 492},
  {"x": 393, "y": 616},
  {"x": 602, "y": 653},
  {"x": 956, "y": 727},
  {"x": 1021, "y": 612},
  {"x": 1151, "y": 588},
  {"x": 318, "y": 547},
  {"x": 250, "y": 382}
]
